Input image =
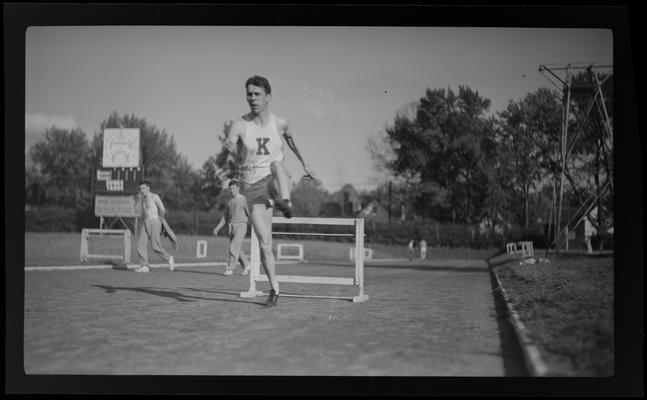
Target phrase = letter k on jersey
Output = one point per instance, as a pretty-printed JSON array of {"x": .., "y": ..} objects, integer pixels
[{"x": 262, "y": 150}]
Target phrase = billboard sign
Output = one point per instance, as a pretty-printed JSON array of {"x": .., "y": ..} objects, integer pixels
[
  {"x": 115, "y": 206},
  {"x": 121, "y": 148}
]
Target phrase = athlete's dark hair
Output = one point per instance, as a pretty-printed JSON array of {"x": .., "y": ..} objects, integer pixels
[
  {"x": 145, "y": 182},
  {"x": 260, "y": 82},
  {"x": 234, "y": 182}
]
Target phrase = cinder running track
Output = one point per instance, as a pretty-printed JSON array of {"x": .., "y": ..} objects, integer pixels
[{"x": 422, "y": 319}]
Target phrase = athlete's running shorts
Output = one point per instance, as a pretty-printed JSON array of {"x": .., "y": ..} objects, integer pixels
[{"x": 260, "y": 191}]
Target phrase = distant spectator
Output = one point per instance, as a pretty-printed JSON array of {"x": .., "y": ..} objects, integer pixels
[
  {"x": 423, "y": 249},
  {"x": 412, "y": 245},
  {"x": 151, "y": 227},
  {"x": 236, "y": 217}
]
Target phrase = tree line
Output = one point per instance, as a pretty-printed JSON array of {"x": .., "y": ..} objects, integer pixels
[
  {"x": 446, "y": 157},
  {"x": 455, "y": 162}
]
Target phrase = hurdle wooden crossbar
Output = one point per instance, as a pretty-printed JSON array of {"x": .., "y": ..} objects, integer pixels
[
  {"x": 87, "y": 233},
  {"x": 357, "y": 280}
]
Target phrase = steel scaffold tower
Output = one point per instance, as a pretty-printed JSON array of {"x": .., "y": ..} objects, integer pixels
[{"x": 588, "y": 118}]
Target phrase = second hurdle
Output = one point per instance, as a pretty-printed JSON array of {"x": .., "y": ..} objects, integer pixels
[{"x": 357, "y": 280}]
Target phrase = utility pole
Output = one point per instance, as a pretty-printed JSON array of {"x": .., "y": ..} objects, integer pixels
[{"x": 390, "y": 185}]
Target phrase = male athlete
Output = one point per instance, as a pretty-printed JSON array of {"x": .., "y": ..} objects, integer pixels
[
  {"x": 265, "y": 179},
  {"x": 235, "y": 217},
  {"x": 150, "y": 229}
]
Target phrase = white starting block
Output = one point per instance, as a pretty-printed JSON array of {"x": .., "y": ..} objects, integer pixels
[
  {"x": 201, "y": 249},
  {"x": 368, "y": 253},
  {"x": 86, "y": 234},
  {"x": 523, "y": 248},
  {"x": 282, "y": 256}
]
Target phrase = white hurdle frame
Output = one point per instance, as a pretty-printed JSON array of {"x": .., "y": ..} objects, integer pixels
[
  {"x": 523, "y": 248},
  {"x": 357, "y": 280}
]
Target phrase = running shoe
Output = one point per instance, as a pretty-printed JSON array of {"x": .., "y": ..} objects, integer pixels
[
  {"x": 284, "y": 206},
  {"x": 272, "y": 299}
]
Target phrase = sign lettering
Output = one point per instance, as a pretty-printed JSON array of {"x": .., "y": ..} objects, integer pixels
[{"x": 115, "y": 206}]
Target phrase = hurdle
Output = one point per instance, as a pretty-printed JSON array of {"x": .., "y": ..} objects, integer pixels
[
  {"x": 281, "y": 256},
  {"x": 86, "y": 234},
  {"x": 357, "y": 280},
  {"x": 527, "y": 249},
  {"x": 524, "y": 248},
  {"x": 511, "y": 248}
]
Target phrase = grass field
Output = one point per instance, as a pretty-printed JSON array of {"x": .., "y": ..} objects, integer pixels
[{"x": 567, "y": 306}]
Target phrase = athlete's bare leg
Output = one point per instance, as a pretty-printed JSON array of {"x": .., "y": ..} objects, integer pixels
[
  {"x": 262, "y": 222},
  {"x": 283, "y": 186}
]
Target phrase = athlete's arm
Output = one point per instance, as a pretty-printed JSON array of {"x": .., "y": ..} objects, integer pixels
[
  {"x": 229, "y": 146},
  {"x": 160, "y": 206},
  {"x": 221, "y": 223},
  {"x": 288, "y": 135}
]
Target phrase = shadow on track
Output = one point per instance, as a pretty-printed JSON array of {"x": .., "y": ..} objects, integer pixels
[
  {"x": 192, "y": 271},
  {"x": 168, "y": 294}
]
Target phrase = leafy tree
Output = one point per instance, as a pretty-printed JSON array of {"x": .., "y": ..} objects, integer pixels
[
  {"x": 169, "y": 172},
  {"x": 307, "y": 197},
  {"x": 439, "y": 152},
  {"x": 181, "y": 195},
  {"x": 495, "y": 208},
  {"x": 62, "y": 165},
  {"x": 209, "y": 185},
  {"x": 232, "y": 168},
  {"x": 528, "y": 152},
  {"x": 34, "y": 184},
  {"x": 403, "y": 195}
]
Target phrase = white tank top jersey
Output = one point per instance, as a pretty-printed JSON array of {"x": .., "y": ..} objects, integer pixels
[{"x": 261, "y": 146}]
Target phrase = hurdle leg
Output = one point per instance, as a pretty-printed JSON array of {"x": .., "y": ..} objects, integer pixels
[
  {"x": 357, "y": 252},
  {"x": 359, "y": 260},
  {"x": 254, "y": 263},
  {"x": 127, "y": 247}
]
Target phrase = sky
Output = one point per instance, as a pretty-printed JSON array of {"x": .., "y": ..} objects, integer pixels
[{"x": 337, "y": 86}]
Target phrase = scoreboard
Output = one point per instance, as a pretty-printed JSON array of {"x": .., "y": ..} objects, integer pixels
[
  {"x": 117, "y": 180},
  {"x": 117, "y": 177}
]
